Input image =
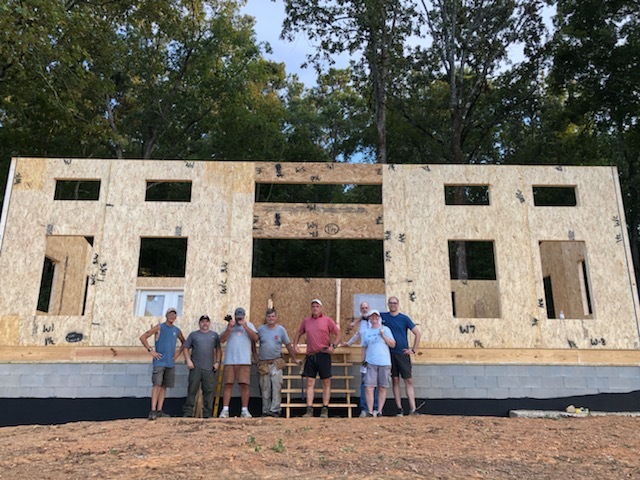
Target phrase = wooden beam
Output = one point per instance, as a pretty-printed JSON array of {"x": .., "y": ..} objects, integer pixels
[
  {"x": 312, "y": 220},
  {"x": 320, "y": 173},
  {"x": 425, "y": 356}
]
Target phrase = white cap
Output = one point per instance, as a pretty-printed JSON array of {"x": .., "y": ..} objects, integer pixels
[
  {"x": 315, "y": 300},
  {"x": 374, "y": 312}
]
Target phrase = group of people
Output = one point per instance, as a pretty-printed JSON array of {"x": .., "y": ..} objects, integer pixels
[{"x": 385, "y": 351}]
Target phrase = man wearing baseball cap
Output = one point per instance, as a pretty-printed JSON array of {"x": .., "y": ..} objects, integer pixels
[
  {"x": 240, "y": 335},
  {"x": 202, "y": 354},
  {"x": 164, "y": 357},
  {"x": 318, "y": 329}
]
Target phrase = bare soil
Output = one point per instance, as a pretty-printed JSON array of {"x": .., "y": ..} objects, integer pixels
[{"x": 435, "y": 447}]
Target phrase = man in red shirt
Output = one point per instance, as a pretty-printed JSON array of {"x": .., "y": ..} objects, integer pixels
[{"x": 318, "y": 329}]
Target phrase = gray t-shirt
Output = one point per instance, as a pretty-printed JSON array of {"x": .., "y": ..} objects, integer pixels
[
  {"x": 238, "y": 350},
  {"x": 271, "y": 340},
  {"x": 203, "y": 345}
]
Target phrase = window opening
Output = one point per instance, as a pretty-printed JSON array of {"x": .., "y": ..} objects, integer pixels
[
  {"x": 46, "y": 285},
  {"x": 466, "y": 195},
  {"x": 567, "y": 289},
  {"x": 77, "y": 190},
  {"x": 168, "y": 191},
  {"x": 162, "y": 257},
  {"x": 554, "y": 196},
  {"x": 474, "y": 287}
]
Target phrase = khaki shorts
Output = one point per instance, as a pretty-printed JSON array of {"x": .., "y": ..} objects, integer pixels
[{"x": 236, "y": 373}]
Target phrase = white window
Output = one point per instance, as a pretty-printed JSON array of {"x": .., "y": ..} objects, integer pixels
[{"x": 154, "y": 303}]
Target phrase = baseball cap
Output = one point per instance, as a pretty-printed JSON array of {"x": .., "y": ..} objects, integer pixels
[
  {"x": 204, "y": 317},
  {"x": 374, "y": 312},
  {"x": 315, "y": 300},
  {"x": 169, "y": 310},
  {"x": 239, "y": 313}
]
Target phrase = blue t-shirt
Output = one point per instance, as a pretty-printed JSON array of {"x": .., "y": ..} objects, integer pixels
[
  {"x": 377, "y": 349},
  {"x": 166, "y": 345},
  {"x": 398, "y": 326}
]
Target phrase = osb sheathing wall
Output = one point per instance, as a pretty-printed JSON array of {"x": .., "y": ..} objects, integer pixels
[
  {"x": 291, "y": 297},
  {"x": 221, "y": 221},
  {"x": 217, "y": 223},
  {"x": 418, "y": 226}
]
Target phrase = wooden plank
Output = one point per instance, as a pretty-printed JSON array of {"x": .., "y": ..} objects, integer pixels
[
  {"x": 320, "y": 173},
  {"x": 315, "y": 220},
  {"x": 425, "y": 356}
]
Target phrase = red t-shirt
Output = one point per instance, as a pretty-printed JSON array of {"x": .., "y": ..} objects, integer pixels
[{"x": 318, "y": 332}]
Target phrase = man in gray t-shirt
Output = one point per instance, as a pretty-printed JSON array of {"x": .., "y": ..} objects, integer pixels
[
  {"x": 202, "y": 353},
  {"x": 272, "y": 337}
]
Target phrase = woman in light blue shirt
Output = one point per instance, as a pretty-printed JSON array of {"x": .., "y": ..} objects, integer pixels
[{"x": 376, "y": 341}]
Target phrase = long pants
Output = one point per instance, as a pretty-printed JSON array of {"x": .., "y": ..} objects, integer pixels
[
  {"x": 271, "y": 386},
  {"x": 199, "y": 377},
  {"x": 363, "y": 399}
]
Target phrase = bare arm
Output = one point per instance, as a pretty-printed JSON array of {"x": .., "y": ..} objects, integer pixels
[
  {"x": 182, "y": 340},
  {"x": 144, "y": 339},
  {"x": 292, "y": 353},
  {"x": 225, "y": 335},
  {"x": 187, "y": 358},
  {"x": 416, "y": 341}
]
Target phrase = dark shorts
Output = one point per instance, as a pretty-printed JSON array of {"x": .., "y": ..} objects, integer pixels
[
  {"x": 164, "y": 376},
  {"x": 400, "y": 365},
  {"x": 317, "y": 363}
]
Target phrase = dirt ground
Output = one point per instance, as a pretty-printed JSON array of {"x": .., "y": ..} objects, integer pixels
[{"x": 437, "y": 447}]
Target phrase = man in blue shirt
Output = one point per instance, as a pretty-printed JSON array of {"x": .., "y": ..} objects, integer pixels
[
  {"x": 166, "y": 334},
  {"x": 400, "y": 324}
]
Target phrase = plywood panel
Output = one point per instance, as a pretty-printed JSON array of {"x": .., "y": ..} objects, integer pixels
[
  {"x": 291, "y": 297},
  {"x": 283, "y": 220},
  {"x": 320, "y": 173},
  {"x": 219, "y": 225}
]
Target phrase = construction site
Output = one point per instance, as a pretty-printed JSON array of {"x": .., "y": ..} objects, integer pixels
[{"x": 547, "y": 319}]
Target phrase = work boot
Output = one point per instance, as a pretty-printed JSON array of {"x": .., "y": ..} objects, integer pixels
[
  {"x": 153, "y": 415},
  {"x": 324, "y": 413},
  {"x": 308, "y": 413}
]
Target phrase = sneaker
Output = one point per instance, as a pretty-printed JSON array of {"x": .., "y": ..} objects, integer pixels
[
  {"x": 224, "y": 414},
  {"x": 415, "y": 412},
  {"x": 274, "y": 414},
  {"x": 161, "y": 414},
  {"x": 309, "y": 412},
  {"x": 324, "y": 413},
  {"x": 245, "y": 414},
  {"x": 363, "y": 413},
  {"x": 153, "y": 415},
  {"x": 400, "y": 412}
]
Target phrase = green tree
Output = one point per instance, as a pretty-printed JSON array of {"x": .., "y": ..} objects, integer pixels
[
  {"x": 469, "y": 50},
  {"x": 144, "y": 79},
  {"x": 373, "y": 31},
  {"x": 596, "y": 53}
]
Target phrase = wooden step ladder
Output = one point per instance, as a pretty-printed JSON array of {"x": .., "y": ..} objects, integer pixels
[{"x": 294, "y": 389}]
